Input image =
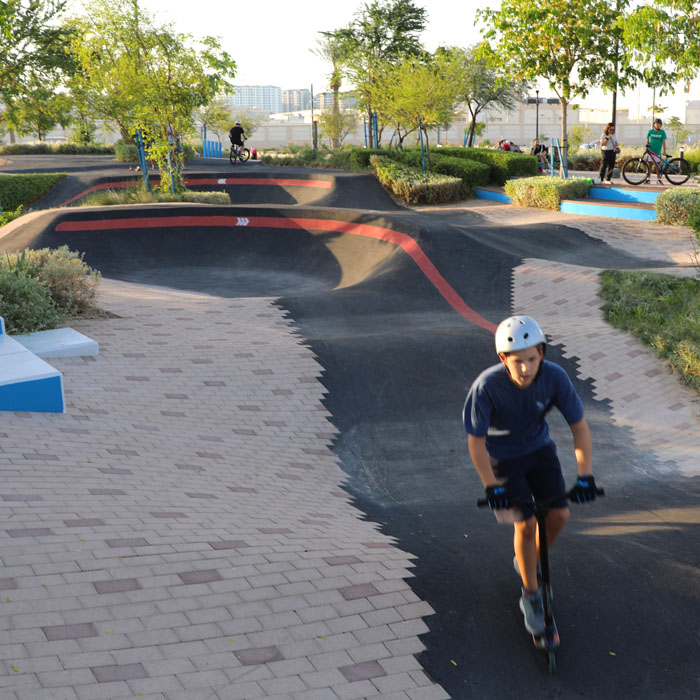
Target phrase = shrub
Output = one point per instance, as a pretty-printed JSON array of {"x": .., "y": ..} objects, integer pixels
[
  {"x": 586, "y": 161},
  {"x": 67, "y": 148},
  {"x": 545, "y": 192},
  {"x": 674, "y": 205},
  {"x": 694, "y": 218},
  {"x": 25, "y": 303},
  {"x": 128, "y": 153},
  {"x": 360, "y": 157},
  {"x": 25, "y": 189},
  {"x": 415, "y": 186},
  {"x": 692, "y": 155},
  {"x": 71, "y": 283},
  {"x": 25, "y": 149},
  {"x": 8, "y": 216},
  {"x": 470, "y": 172},
  {"x": 138, "y": 195}
]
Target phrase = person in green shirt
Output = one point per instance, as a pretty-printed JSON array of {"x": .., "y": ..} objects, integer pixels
[{"x": 656, "y": 143}]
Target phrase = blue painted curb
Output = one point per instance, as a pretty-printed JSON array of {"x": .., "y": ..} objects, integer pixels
[
  {"x": 490, "y": 194},
  {"x": 619, "y": 194},
  {"x": 581, "y": 207}
]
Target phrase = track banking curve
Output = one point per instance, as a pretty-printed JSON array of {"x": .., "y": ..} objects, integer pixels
[{"x": 400, "y": 308}]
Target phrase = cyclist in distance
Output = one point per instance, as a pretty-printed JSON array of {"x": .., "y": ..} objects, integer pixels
[
  {"x": 237, "y": 135},
  {"x": 656, "y": 143},
  {"x": 514, "y": 455}
]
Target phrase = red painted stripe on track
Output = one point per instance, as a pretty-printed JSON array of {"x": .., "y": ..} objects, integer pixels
[{"x": 405, "y": 242}]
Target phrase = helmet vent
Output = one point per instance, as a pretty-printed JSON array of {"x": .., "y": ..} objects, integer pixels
[{"x": 526, "y": 336}]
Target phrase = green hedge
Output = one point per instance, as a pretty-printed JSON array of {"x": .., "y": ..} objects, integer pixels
[
  {"x": 673, "y": 206},
  {"x": 360, "y": 157},
  {"x": 128, "y": 153},
  {"x": 470, "y": 172},
  {"x": 55, "y": 148},
  {"x": 504, "y": 164},
  {"x": 544, "y": 192},
  {"x": 25, "y": 189},
  {"x": 415, "y": 186}
]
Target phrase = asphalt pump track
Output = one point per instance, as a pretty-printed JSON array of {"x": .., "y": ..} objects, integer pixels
[{"x": 400, "y": 308}]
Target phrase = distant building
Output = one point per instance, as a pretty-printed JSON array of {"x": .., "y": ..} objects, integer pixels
[
  {"x": 295, "y": 100},
  {"x": 264, "y": 97},
  {"x": 324, "y": 100}
]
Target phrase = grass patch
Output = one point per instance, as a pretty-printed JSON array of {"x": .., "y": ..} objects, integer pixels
[
  {"x": 138, "y": 195},
  {"x": 660, "y": 310}
]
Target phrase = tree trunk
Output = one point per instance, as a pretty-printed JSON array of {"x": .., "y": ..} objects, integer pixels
[
  {"x": 370, "y": 132},
  {"x": 564, "y": 139}
]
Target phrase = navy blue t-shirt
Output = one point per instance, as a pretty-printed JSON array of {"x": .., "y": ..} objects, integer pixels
[{"x": 513, "y": 419}]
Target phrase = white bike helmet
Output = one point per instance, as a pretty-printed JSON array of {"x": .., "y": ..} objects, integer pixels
[
  {"x": 518, "y": 333},
  {"x": 238, "y": 122}
]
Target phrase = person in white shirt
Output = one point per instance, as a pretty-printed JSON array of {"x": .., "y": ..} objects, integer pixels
[{"x": 610, "y": 147}]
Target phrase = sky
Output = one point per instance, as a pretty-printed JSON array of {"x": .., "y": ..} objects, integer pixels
[{"x": 271, "y": 40}]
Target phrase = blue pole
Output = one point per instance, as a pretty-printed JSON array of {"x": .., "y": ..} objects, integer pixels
[
  {"x": 142, "y": 158},
  {"x": 422, "y": 149},
  {"x": 364, "y": 126},
  {"x": 376, "y": 130}
]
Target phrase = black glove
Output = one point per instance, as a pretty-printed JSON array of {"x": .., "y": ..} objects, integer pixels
[
  {"x": 497, "y": 497},
  {"x": 584, "y": 490}
]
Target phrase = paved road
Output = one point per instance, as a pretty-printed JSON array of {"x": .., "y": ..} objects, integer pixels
[{"x": 273, "y": 354}]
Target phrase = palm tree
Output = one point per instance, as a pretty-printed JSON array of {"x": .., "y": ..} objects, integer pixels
[{"x": 331, "y": 49}]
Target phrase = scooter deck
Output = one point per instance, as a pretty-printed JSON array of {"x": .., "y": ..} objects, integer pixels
[{"x": 540, "y": 641}]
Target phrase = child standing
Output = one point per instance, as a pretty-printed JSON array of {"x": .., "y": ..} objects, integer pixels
[{"x": 509, "y": 443}]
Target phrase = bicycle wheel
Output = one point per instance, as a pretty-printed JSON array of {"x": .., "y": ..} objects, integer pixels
[
  {"x": 232, "y": 155},
  {"x": 243, "y": 155},
  {"x": 677, "y": 171},
  {"x": 635, "y": 171}
]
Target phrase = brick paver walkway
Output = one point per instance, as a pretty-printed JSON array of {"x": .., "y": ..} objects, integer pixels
[
  {"x": 645, "y": 396},
  {"x": 181, "y": 533}
]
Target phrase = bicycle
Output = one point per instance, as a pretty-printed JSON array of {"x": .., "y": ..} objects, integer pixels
[
  {"x": 549, "y": 641},
  {"x": 637, "y": 170},
  {"x": 238, "y": 153}
]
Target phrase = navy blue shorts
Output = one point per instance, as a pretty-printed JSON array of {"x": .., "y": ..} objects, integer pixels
[{"x": 536, "y": 475}]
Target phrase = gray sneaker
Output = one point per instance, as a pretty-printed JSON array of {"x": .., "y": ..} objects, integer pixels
[
  {"x": 533, "y": 612},
  {"x": 539, "y": 576}
]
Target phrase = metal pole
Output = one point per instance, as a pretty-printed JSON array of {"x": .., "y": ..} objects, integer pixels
[
  {"x": 422, "y": 150},
  {"x": 312, "y": 112},
  {"x": 537, "y": 114}
]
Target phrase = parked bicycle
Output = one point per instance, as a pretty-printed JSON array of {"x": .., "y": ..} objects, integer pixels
[{"x": 637, "y": 171}]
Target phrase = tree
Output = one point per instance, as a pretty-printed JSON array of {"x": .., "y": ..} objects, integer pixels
[
  {"x": 419, "y": 92},
  {"x": 578, "y": 134},
  {"x": 144, "y": 76},
  {"x": 680, "y": 133},
  {"x": 573, "y": 44},
  {"x": 38, "y": 110},
  {"x": 251, "y": 120},
  {"x": 381, "y": 34},
  {"x": 32, "y": 47},
  {"x": 331, "y": 48},
  {"x": 663, "y": 37},
  {"x": 481, "y": 85},
  {"x": 216, "y": 116},
  {"x": 336, "y": 126}
]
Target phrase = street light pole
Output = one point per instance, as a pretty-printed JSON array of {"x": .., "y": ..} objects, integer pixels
[{"x": 537, "y": 114}]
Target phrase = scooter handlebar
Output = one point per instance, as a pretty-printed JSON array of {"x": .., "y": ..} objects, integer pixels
[{"x": 483, "y": 502}]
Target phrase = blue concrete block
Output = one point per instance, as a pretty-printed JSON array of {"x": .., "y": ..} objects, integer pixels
[
  {"x": 581, "y": 207},
  {"x": 620, "y": 194},
  {"x": 41, "y": 395},
  {"x": 490, "y": 194}
]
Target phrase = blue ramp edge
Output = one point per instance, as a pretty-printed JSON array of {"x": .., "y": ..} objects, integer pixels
[
  {"x": 40, "y": 395},
  {"x": 494, "y": 195},
  {"x": 582, "y": 207}
]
